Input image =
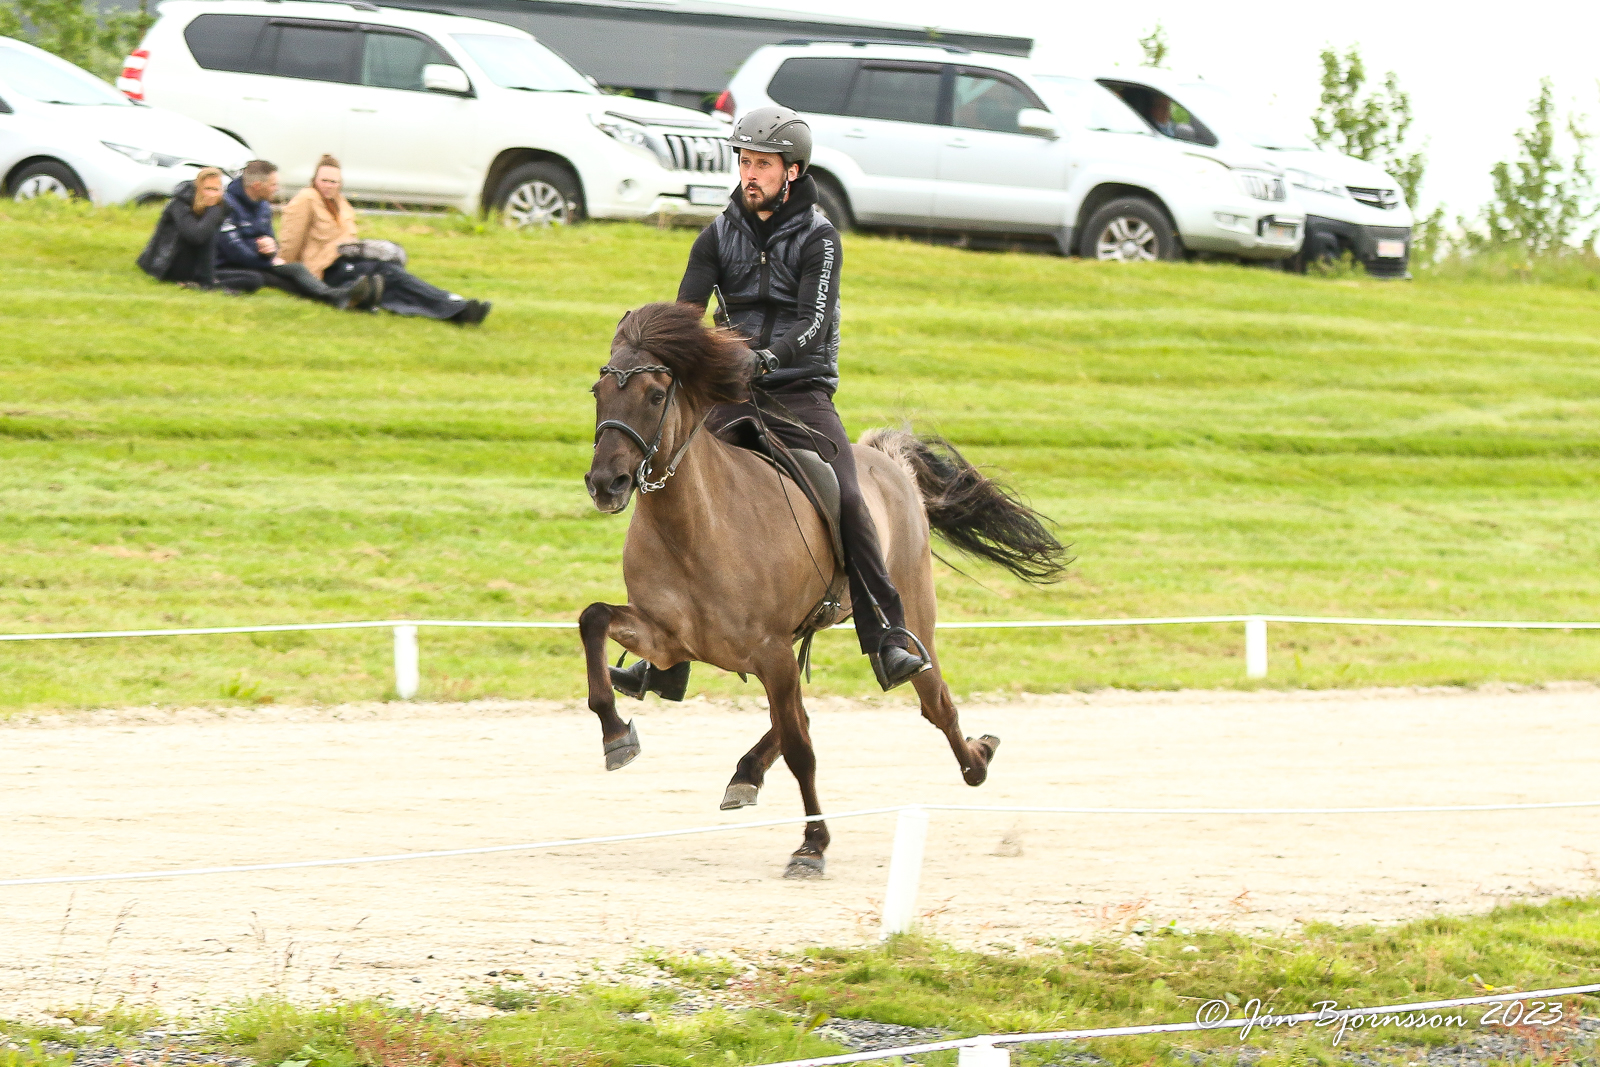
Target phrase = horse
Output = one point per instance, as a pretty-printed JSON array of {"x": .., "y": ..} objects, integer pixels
[{"x": 725, "y": 558}]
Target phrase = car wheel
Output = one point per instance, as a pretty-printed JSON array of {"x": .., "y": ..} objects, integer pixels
[
  {"x": 539, "y": 194},
  {"x": 47, "y": 178},
  {"x": 834, "y": 204},
  {"x": 1130, "y": 230}
]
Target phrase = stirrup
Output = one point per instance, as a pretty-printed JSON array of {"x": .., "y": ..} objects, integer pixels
[
  {"x": 644, "y": 677},
  {"x": 902, "y": 675}
]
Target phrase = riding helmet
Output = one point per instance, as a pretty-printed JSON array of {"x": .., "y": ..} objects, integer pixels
[{"x": 780, "y": 130}]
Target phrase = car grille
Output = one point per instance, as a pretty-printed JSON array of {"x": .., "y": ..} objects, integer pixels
[
  {"x": 1385, "y": 199},
  {"x": 1261, "y": 186},
  {"x": 703, "y": 154}
]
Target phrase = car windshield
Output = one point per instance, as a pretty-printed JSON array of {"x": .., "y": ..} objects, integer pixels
[
  {"x": 522, "y": 63},
  {"x": 1089, "y": 104},
  {"x": 1262, "y": 125},
  {"x": 54, "y": 82}
]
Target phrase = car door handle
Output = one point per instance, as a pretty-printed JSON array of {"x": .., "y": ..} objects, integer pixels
[
  {"x": 256, "y": 99},
  {"x": 366, "y": 110},
  {"x": 958, "y": 142},
  {"x": 856, "y": 132}
]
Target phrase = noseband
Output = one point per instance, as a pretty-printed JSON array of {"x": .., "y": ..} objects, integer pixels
[{"x": 641, "y": 476}]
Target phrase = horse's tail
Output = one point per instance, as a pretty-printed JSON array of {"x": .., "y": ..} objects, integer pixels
[{"x": 974, "y": 513}]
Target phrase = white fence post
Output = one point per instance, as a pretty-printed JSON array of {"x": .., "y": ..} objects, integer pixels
[
  {"x": 1255, "y": 648},
  {"x": 983, "y": 1056},
  {"x": 905, "y": 870},
  {"x": 407, "y": 675}
]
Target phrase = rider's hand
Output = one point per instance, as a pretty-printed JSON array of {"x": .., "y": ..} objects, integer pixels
[{"x": 766, "y": 362}]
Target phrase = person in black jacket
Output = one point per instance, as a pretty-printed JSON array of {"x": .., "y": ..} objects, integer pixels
[
  {"x": 776, "y": 261},
  {"x": 183, "y": 247},
  {"x": 248, "y": 243}
]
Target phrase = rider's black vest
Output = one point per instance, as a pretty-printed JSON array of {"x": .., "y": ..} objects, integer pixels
[{"x": 761, "y": 285}]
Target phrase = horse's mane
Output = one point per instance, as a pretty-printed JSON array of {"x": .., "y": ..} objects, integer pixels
[{"x": 710, "y": 365}]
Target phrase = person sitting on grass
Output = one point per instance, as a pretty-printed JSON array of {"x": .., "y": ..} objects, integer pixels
[
  {"x": 247, "y": 246},
  {"x": 319, "y": 230},
  {"x": 184, "y": 244}
]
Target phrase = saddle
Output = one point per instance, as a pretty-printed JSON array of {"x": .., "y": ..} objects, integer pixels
[{"x": 816, "y": 479}]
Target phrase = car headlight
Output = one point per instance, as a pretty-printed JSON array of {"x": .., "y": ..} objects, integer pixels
[
  {"x": 144, "y": 155},
  {"x": 1315, "y": 182},
  {"x": 1259, "y": 184},
  {"x": 633, "y": 135}
]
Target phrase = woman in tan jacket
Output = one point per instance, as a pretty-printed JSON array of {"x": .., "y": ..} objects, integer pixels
[{"x": 319, "y": 220}]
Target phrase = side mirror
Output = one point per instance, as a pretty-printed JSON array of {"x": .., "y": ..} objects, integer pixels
[
  {"x": 1038, "y": 123},
  {"x": 444, "y": 78}
]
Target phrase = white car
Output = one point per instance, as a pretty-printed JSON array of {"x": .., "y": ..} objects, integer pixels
[
  {"x": 1351, "y": 205},
  {"x": 428, "y": 109},
  {"x": 924, "y": 137},
  {"x": 64, "y": 132}
]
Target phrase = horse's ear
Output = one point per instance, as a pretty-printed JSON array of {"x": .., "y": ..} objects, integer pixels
[{"x": 624, "y": 318}]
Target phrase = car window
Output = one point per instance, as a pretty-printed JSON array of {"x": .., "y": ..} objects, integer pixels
[
  {"x": 1090, "y": 104},
  {"x": 522, "y": 63},
  {"x": 1165, "y": 115},
  {"x": 820, "y": 86},
  {"x": 319, "y": 53},
  {"x": 5, "y": 108},
  {"x": 988, "y": 100},
  {"x": 900, "y": 94},
  {"x": 227, "y": 42},
  {"x": 37, "y": 78},
  {"x": 395, "y": 60}
]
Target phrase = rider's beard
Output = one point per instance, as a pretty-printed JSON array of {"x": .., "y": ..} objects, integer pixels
[{"x": 758, "y": 201}]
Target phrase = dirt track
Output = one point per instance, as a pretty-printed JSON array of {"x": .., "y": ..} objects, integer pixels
[{"x": 132, "y": 790}]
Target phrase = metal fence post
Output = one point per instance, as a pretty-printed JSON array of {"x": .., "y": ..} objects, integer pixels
[
  {"x": 983, "y": 1056},
  {"x": 1255, "y": 648},
  {"x": 905, "y": 870},
  {"x": 407, "y": 675}
]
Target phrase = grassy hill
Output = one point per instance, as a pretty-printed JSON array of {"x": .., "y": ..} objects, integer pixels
[{"x": 1212, "y": 439}]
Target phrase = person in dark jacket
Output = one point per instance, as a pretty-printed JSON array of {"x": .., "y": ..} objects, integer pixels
[
  {"x": 183, "y": 247},
  {"x": 247, "y": 243},
  {"x": 776, "y": 260}
]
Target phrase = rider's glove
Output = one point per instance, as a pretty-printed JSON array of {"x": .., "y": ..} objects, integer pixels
[{"x": 766, "y": 362}]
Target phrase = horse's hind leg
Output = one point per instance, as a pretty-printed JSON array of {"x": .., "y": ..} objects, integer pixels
[
  {"x": 625, "y": 625},
  {"x": 751, "y": 772},
  {"x": 782, "y": 681},
  {"x": 974, "y": 756}
]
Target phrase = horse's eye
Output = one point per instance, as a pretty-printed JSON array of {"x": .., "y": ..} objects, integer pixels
[{"x": 656, "y": 397}]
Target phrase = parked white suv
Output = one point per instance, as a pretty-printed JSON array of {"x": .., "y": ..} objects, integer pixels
[
  {"x": 427, "y": 109},
  {"x": 64, "y": 132},
  {"x": 923, "y": 137},
  {"x": 1351, "y": 205}
]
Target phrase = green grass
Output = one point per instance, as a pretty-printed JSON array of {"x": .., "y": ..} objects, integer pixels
[
  {"x": 1212, "y": 439},
  {"x": 913, "y": 981}
]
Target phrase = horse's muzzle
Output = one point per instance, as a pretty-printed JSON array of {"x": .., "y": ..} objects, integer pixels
[{"x": 613, "y": 496}]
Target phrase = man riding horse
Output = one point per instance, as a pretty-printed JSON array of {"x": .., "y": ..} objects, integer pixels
[{"x": 776, "y": 261}]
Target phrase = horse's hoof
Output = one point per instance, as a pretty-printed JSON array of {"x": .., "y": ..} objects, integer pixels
[
  {"x": 623, "y": 751},
  {"x": 805, "y": 867},
  {"x": 739, "y": 795},
  {"x": 976, "y": 776}
]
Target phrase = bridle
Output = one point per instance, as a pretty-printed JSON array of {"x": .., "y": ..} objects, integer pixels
[{"x": 641, "y": 477}]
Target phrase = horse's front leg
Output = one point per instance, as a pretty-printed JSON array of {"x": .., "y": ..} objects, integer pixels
[
  {"x": 625, "y": 625},
  {"x": 781, "y": 677},
  {"x": 751, "y": 772}
]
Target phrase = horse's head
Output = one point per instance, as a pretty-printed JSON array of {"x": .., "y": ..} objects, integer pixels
[{"x": 666, "y": 369}]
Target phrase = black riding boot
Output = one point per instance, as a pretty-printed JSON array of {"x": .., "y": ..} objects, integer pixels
[
  {"x": 643, "y": 677},
  {"x": 894, "y": 666}
]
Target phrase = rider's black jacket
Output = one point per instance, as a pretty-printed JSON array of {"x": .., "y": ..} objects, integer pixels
[{"x": 780, "y": 279}]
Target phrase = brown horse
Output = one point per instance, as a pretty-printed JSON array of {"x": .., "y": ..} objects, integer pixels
[{"x": 725, "y": 557}]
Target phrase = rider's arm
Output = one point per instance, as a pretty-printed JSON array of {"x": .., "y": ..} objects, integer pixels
[
  {"x": 703, "y": 271},
  {"x": 818, "y": 299}
]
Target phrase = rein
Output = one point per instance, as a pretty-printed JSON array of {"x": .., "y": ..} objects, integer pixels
[{"x": 641, "y": 477}]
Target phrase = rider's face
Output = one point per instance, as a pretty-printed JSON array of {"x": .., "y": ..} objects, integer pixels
[{"x": 761, "y": 178}]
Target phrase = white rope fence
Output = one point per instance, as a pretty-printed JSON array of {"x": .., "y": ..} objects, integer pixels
[
  {"x": 407, "y": 658},
  {"x": 985, "y": 1051}
]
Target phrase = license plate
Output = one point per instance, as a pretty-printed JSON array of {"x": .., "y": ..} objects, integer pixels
[
  {"x": 1391, "y": 250},
  {"x": 1281, "y": 231},
  {"x": 714, "y": 194}
]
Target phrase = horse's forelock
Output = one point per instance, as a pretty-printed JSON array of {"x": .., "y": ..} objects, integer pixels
[{"x": 708, "y": 365}]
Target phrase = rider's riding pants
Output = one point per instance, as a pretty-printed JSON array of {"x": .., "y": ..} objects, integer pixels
[{"x": 824, "y": 434}]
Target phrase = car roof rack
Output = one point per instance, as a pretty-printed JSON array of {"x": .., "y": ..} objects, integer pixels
[
  {"x": 359, "y": 5},
  {"x": 862, "y": 42}
]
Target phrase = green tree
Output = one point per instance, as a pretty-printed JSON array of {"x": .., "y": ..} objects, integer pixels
[
  {"x": 1367, "y": 123},
  {"x": 1155, "y": 47},
  {"x": 1542, "y": 201},
  {"x": 78, "y": 33}
]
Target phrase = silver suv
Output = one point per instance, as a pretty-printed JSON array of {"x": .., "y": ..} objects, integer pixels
[{"x": 929, "y": 138}]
